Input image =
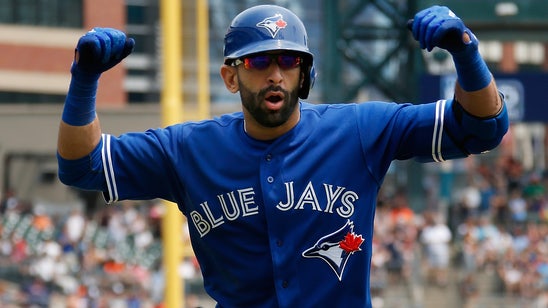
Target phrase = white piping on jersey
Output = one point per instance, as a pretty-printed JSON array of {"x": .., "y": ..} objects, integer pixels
[
  {"x": 108, "y": 169},
  {"x": 438, "y": 131}
]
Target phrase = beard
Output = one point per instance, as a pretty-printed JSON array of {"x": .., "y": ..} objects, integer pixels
[{"x": 254, "y": 104}]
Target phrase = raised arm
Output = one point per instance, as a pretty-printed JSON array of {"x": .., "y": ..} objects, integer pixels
[
  {"x": 475, "y": 90},
  {"x": 97, "y": 51}
]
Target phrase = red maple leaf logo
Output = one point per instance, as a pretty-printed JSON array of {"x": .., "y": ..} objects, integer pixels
[
  {"x": 281, "y": 23},
  {"x": 351, "y": 242}
]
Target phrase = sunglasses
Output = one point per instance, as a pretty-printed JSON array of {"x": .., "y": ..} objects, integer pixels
[{"x": 261, "y": 62}]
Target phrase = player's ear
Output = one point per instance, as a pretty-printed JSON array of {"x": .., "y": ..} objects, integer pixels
[{"x": 230, "y": 78}]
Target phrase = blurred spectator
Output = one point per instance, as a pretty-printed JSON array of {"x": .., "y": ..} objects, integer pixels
[
  {"x": 470, "y": 199},
  {"x": 400, "y": 212},
  {"x": 9, "y": 201},
  {"x": 469, "y": 290},
  {"x": 42, "y": 222},
  {"x": 36, "y": 293},
  {"x": 534, "y": 195},
  {"x": 500, "y": 212},
  {"x": 75, "y": 226},
  {"x": 496, "y": 245},
  {"x": 470, "y": 252},
  {"x": 517, "y": 206},
  {"x": 435, "y": 236},
  {"x": 397, "y": 236},
  {"x": 513, "y": 173},
  {"x": 487, "y": 193}
]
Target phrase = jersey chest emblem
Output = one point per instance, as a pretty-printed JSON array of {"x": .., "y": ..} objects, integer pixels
[{"x": 336, "y": 248}]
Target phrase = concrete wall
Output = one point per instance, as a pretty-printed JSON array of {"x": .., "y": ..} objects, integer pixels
[{"x": 28, "y": 134}]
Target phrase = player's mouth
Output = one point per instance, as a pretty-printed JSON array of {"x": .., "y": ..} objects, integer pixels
[{"x": 274, "y": 100}]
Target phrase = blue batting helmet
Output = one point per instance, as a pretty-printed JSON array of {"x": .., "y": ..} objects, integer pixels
[{"x": 267, "y": 28}]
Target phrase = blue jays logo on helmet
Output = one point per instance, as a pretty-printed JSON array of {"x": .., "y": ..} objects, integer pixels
[
  {"x": 273, "y": 24},
  {"x": 336, "y": 248}
]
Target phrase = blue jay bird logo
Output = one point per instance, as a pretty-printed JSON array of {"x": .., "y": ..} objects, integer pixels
[
  {"x": 273, "y": 24},
  {"x": 336, "y": 248}
]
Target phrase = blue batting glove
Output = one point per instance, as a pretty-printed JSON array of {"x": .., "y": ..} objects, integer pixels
[
  {"x": 438, "y": 26},
  {"x": 97, "y": 51},
  {"x": 100, "y": 49}
]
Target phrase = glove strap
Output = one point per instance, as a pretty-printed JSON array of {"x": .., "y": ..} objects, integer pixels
[
  {"x": 79, "y": 109},
  {"x": 473, "y": 74}
]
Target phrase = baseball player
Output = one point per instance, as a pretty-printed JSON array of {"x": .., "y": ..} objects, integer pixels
[{"x": 280, "y": 197}]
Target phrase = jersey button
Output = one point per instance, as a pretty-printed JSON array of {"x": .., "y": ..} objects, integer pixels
[
  {"x": 279, "y": 243},
  {"x": 268, "y": 157},
  {"x": 285, "y": 284},
  {"x": 270, "y": 179}
]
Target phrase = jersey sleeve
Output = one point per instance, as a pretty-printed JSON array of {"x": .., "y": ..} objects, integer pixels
[
  {"x": 431, "y": 132},
  {"x": 137, "y": 165},
  {"x": 131, "y": 166}
]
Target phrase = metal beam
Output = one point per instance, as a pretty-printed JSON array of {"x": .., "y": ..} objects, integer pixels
[{"x": 369, "y": 48}]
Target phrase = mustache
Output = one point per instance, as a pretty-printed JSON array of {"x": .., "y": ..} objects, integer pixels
[{"x": 273, "y": 89}]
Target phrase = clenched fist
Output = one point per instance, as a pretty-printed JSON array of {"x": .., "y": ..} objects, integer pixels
[{"x": 100, "y": 49}]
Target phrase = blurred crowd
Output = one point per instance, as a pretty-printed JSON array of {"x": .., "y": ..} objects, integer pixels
[
  {"x": 496, "y": 221},
  {"x": 110, "y": 258}
]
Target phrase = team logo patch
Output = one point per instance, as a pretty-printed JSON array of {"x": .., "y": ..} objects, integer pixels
[
  {"x": 273, "y": 24},
  {"x": 336, "y": 248}
]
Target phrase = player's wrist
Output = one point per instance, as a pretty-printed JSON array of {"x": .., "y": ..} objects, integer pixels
[
  {"x": 79, "y": 109},
  {"x": 83, "y": 75},
  {"x": 472, "y": 71}
]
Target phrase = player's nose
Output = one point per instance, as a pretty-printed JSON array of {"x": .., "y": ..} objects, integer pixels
[{"x": 275, "y": 75}]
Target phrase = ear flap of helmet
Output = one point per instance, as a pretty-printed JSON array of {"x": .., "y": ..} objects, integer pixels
[{"x": 308, "y": 82}]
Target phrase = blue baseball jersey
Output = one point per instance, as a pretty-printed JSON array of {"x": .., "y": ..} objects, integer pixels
[{"x": 286, "y": 222}]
